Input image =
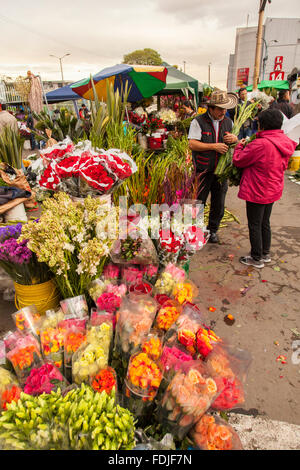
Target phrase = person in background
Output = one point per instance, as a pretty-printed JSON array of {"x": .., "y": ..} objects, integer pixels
[
  {"x": 56, "y": 115},
  {"x": 209, "y": 137},
  {"x": 263, "y": 161},
  {"x": 84, "y": 112},
  {"x": 7, "y": 119},
  {"x": 188, "y": 110},
  {"x": 246, "y": 129},
  {"x": 30, "y": 125},
  {"x": 283, "y": 103}
]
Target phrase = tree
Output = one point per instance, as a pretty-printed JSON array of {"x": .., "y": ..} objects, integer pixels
[{"x": 145, "y": 56}]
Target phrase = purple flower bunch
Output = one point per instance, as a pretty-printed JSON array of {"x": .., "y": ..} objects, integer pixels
[
  {"x": 10, "y": 231},
  {"x": 15, "y": 252}
]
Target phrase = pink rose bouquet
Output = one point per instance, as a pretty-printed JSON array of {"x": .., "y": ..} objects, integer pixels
[
  {"x": 44, "y": 379},
  {"x": 109, "y": 302}
]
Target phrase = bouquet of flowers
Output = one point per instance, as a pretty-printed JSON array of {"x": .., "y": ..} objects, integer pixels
[
  {"x": 168, "y": 278},
  {"x": 100, "y": 332},
  {"x": 52, "y": 338},
  {"x": 104, "y": 380},
  {"x": 136, "y": 118},
  {"x": 185, "y": 292},
  {"x": 87, "y": 361},
  {"x": 206, "y": 339},
  {"x": 24, "y": 354},
  {"x": 214, "y": 433},
  {"x": 9, "y": 388},
  {"x": 167, "y": 315},
  {"x": 228, "y": 367},
  {"x": 74, "y": 337},
  {"x": 111, "y": 272},
  {"x": 27, "y": 320},
  {"x": 44, "y": 379},
  {"x": 131, "y": 274},
  {"x": 168, "y": 116},
  {"x": 152, "y": 345},
  {"x": 17, "y": 260},
  {"x": 75, "y": 306},
  {"x": 188, "y": 396},
  {"x": 134, "y": 321},
  {"x": 169, "y": 245},
  {"x": 141, "y": 384},
  {"x": 66, "y": 239},
  {"x": 151, "y": 125},
  {"x": 140, "y": 288},
  {"x": 80, "y": 170},
  {"x": 150, "y": 272}
]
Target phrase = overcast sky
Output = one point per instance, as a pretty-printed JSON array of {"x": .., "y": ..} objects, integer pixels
[{"x": 98, "y": 35}]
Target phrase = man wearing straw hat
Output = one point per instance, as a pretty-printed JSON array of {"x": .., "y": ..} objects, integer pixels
[{"x": 209, "y": 137}]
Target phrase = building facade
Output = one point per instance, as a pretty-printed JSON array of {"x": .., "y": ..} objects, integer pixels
[{"x": 280, "y": 52}]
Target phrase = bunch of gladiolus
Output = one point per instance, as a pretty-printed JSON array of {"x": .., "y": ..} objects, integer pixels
[
  {"x": 104, "y": 380},
  {"x": 144, "y": 374}
]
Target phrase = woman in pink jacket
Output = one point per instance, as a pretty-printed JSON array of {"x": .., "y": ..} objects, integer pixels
[{"x": 264, "y": 161}]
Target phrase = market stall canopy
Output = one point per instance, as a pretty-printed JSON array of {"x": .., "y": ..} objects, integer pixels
[
  {"x": 64, "y": 93},
  {"x": 178, "y": 81},
  {"x": 277, "y": 84},
  {"x": 144, "y": 81}
]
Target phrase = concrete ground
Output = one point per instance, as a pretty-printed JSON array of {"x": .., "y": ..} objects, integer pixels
[{"x": 265, "y": 305}]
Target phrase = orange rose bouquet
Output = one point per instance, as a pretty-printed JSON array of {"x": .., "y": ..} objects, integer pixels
[
  {"x": 213, "y": 433},
  {"x": 188, "y": 396},
  {"x": 24, "y": 355},
  {"x": 141, "y": 384},
  {"x": 167, "y": 315}
]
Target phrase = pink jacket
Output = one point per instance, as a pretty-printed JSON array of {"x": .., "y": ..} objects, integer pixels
[{"x": 264, "y": 161}]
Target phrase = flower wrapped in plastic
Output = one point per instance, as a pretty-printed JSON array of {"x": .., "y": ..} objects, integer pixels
[
  {"x": 27, "y": 320},
  {"x": 9, "y": 388},
  {"x": 206, "y": 340},
  {"x": 134, "y": 246},
  {"x": 98, "y": 317},
  {"x": 214, "y": 433},
  {"x": 89, "y": 359},
  {"x": 52, "y": 338},
  {"x": 229, "y": 367},
  {"x": 167, "y": 315},
  {"x": 104, "y": 380},
  {"x": 150, "y": 272},
  {"x": 140, "y": 288},
  {"x": 74, "y": 337},
  {"x": 4, "y": 362},
  {"x": 185, "y": 329},
  {"x": 185, "y": 292},
  {"x": 134, "y": 321},
  {"x": 109, "y": 302},
  {"x": 24, "y": 354},
  {"x": 188, "y": 396},
  {"x": 131, "y": 274},
  {"x": 111, "y": 272},
  {"x": 44, "y": 379},
  {"x": 76, "y": 306},
  {"x": 169, "y": 245},
  {"x": 141, "y": 384},
  {"x": 100, "y": 332},
  {"x": 152, "y": 344},
  {"x": 168, "y": 278}
]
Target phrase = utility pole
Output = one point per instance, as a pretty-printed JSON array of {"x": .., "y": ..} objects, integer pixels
[
  {"x": 209, "y": 73},
  {"x": 60, "y": 62},
  {"x": 262, "y": 7},
  {"x": 184, "y": 62}
]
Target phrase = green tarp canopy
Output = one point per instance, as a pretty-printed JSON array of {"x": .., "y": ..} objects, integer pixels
[
  {"x": 178, "y": 81},
  {"x": 277, "y": 84}
]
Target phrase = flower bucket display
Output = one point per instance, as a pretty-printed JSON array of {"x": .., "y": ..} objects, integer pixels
[{"x": 45, "y": 296}]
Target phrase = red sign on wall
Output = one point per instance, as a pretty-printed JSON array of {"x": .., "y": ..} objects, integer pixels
[
  {"x": 242, "y": 76},
  {"x": 279, "y": 75},
  {"x": 278, "y": 59}
]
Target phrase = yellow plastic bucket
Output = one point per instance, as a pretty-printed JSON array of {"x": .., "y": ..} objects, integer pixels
[
  {"x": 294, "y": 163},
  {"x": 44, "y": 296}
]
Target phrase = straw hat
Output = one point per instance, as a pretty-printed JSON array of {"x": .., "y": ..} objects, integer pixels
[{"x": 223, "y": 100}]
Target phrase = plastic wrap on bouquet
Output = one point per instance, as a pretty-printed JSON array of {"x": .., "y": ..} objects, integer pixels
[
  {"x": 4, "y": 362},
  {"x": 150, "y": 272},
  {"x": 141, "y": 385},
  {"x": 89, "y": 359},
  {"x": 152, "y": 344},
  {"x": 214, "y": 433},
  {"x": 195, "y": 239},
  {"x": 134, "y": 321},
  {"x": 168, "y": 278},
  {"x": 24, "y": 354},
  {"x": 188, "y": 396},
  {"x": 100, "y": 331},
  {"x": 134, "y": 247},
  {"x": 9, "y": 388},
  {"x": 185, "y": 329},
  {"x": 131, "y": 274},
  {"x": 105, "y": 380},
  {"x": 229, "y": 367},
  {"x": 140, "y": 288},
  {"x": 98, "y": 316},
  {"x": 169, "y": 245},
  {"x": 185, "y": 292},
  {"x": 74, "y": 337},
  {"x": 112, "y": 272},
  {"x": 76, "y": 306},
  {"x": 45, "y": 379},
  {"x": 167, "y": 315},
  {"x": 206, "y": 340},
  {"x": 52, "y": 339},
  {"x": 27, "y": 320}
]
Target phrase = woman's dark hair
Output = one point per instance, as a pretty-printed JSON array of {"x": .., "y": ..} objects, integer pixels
[
  {"x": 281, "y": 94},
  {"x": 270, "y": 119}
]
